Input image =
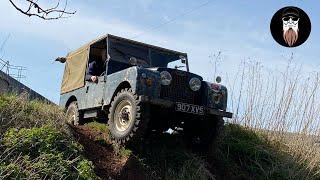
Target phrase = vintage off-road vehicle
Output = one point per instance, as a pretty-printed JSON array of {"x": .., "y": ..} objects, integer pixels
[{"x": 138, "y": 92}]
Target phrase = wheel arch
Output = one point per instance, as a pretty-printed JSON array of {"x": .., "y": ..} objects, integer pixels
[
  {"x": 122, "y": 85},
  {"x": 70, "y": 100}
]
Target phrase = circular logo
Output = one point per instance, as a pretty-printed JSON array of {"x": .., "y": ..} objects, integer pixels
[{"x": 290, "y": 26}]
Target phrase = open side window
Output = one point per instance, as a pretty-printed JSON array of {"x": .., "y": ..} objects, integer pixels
[
  {"x": 115, "y": 66},
  {"x": 98, "y": 55},
  {"x": 124, "y": 55}
]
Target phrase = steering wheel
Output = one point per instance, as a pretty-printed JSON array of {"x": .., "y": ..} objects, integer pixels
[{"x": 102, "y": 74}]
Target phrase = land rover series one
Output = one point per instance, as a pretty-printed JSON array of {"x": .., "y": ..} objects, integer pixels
[{"x": 142, "y": 88}]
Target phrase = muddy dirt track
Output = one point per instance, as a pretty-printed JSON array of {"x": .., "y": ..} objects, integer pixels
[
  {"x": 165, "y": 152},
  {"x": 108, "y": 164}
]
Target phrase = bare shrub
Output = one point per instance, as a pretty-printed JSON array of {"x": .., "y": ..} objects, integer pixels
[{"x": 284, "y": 104}]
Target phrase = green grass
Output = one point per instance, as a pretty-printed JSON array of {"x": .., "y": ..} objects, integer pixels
[
  {"x": 19, "y": 112},
  {"x": 240, "y": 153},
  {"x": 98, "y": 126},
  {"x": 160, "y": 157},
  {"x": 104, "y": 140},
  {"x": 35, "y": 143},
  {"x": 243, "y": 153},
  {"x": 42, "y": 153}
]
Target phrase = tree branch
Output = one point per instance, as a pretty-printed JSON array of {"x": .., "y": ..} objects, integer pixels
[{"x": 34, "y": 9}]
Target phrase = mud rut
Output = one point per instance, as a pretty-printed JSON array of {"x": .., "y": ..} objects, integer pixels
[{"x": 108, "y": 164}]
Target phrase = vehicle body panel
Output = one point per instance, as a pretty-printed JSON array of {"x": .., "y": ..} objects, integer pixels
[{"x": 145, "y": 82}]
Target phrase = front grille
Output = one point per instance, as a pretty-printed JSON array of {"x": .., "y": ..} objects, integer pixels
[{"x": 179, "y": 90}]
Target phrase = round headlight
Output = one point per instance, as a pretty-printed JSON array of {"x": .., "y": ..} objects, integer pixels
[
  {"x": 165, "y": 78},
  {"x": 195, "y": 84}
]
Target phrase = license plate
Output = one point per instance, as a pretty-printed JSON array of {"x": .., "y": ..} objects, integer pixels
[{"x": 189, "y": 108}]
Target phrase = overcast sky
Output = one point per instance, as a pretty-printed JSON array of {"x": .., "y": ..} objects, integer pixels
[{"x": 240, "y": 29}]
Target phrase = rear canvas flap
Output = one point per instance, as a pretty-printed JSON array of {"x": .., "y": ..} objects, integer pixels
[{"x": 75, "y": 69}]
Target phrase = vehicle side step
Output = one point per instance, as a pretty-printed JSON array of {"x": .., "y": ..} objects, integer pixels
[{"x": 90, "y": 113}]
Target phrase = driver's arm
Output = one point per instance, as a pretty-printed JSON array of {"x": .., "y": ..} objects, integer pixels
[{"x": 90, "y": 71}]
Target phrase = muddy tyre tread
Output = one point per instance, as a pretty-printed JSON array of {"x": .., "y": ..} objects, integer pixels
[
  {"x": 141, "y": 119},
  {"x": 209, "y": 132},
  {"x": 78, "y": 119}
]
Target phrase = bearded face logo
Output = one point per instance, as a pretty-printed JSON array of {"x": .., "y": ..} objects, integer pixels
[{"x": 290, "y": 24}]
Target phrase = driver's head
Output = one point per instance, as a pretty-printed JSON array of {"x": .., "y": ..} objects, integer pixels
[{"x": 103, "y": 55}]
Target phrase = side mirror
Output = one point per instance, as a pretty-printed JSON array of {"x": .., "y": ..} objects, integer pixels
[
  {"x": 218, "y": 79},
  {"x": 133, "y": 61},
  {"x": 61, "y": 59},
  {"x": 183, "y": 59}
]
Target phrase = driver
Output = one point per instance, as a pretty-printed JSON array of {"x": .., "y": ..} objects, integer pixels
[{"x": 94, "y": 70}]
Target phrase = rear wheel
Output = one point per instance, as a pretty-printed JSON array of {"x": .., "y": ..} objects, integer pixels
[
  {"x": 73, "y": 115},
  {"x": 127, "y": 117}
]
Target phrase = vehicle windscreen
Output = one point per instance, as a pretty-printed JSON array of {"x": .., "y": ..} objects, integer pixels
[{"x": 130, "y": 53}]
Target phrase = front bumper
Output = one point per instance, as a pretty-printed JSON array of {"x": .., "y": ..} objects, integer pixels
[{"x": 170, "y": 104}]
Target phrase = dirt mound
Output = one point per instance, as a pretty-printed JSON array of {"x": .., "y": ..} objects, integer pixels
[
  {"x": 108, "y": 164},
  {"x": 241, "y": 154},
  {"x": 162, "y": 156}
]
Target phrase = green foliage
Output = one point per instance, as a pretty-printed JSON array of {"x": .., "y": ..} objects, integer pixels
[
  {"x": 250, "y": 155},
  {"x": 19, "y": 112},
  {"x": 85, "y": 170},
  {"x": 101, "y": 127},
  {"x": 5, "y": 99},
  {"x": 35, "y": 142},
  {"x": 43, "y": 153},
  {"x": 39, "y": 146},
  {"x": 40, "y": 140},
  {"x": 125, "y": 152}
]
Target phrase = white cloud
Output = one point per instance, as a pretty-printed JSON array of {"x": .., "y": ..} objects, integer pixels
[
  {"x": 73, "y": 31},
  {"x": 83, "y": 27}
]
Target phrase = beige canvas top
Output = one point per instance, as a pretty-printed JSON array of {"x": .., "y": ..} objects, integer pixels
[
  {"x": 74, "y": 71},
  {"x": 75, "y": 68},
  {"x": 76, "y": 63}
]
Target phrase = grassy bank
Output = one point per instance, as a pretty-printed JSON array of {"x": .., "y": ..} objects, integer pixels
[
  {"x": 244, "y": 153},
  {"x": 36, "y": 144},
  {"x": 241, "y": 153}
]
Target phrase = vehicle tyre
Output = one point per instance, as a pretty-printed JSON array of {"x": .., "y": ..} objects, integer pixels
[
  {"x": 73, "y": 115},
  {"x": 216, "y": 135},
  {"x": 128, "y": 118},
  {"x": 204, "y": 134}
]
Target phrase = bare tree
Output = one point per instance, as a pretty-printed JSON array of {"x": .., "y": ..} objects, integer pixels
[
  {"x": 215, "y": 59},
  {"x": 34, "y": 8}
]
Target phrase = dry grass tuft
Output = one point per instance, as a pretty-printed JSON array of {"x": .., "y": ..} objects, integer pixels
[
  {"x": 285, "y": 106},
  {"x": 19, "y": 112}
]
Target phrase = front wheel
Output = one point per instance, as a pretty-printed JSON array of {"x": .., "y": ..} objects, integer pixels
[
  {"x": 127, "y": 117},
  {"x": 204, "y": 133}
]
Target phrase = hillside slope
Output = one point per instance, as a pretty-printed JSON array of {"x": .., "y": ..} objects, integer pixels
[
  {"x": 36, "y": 144},
  {"x": 240, "y": 154}
]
